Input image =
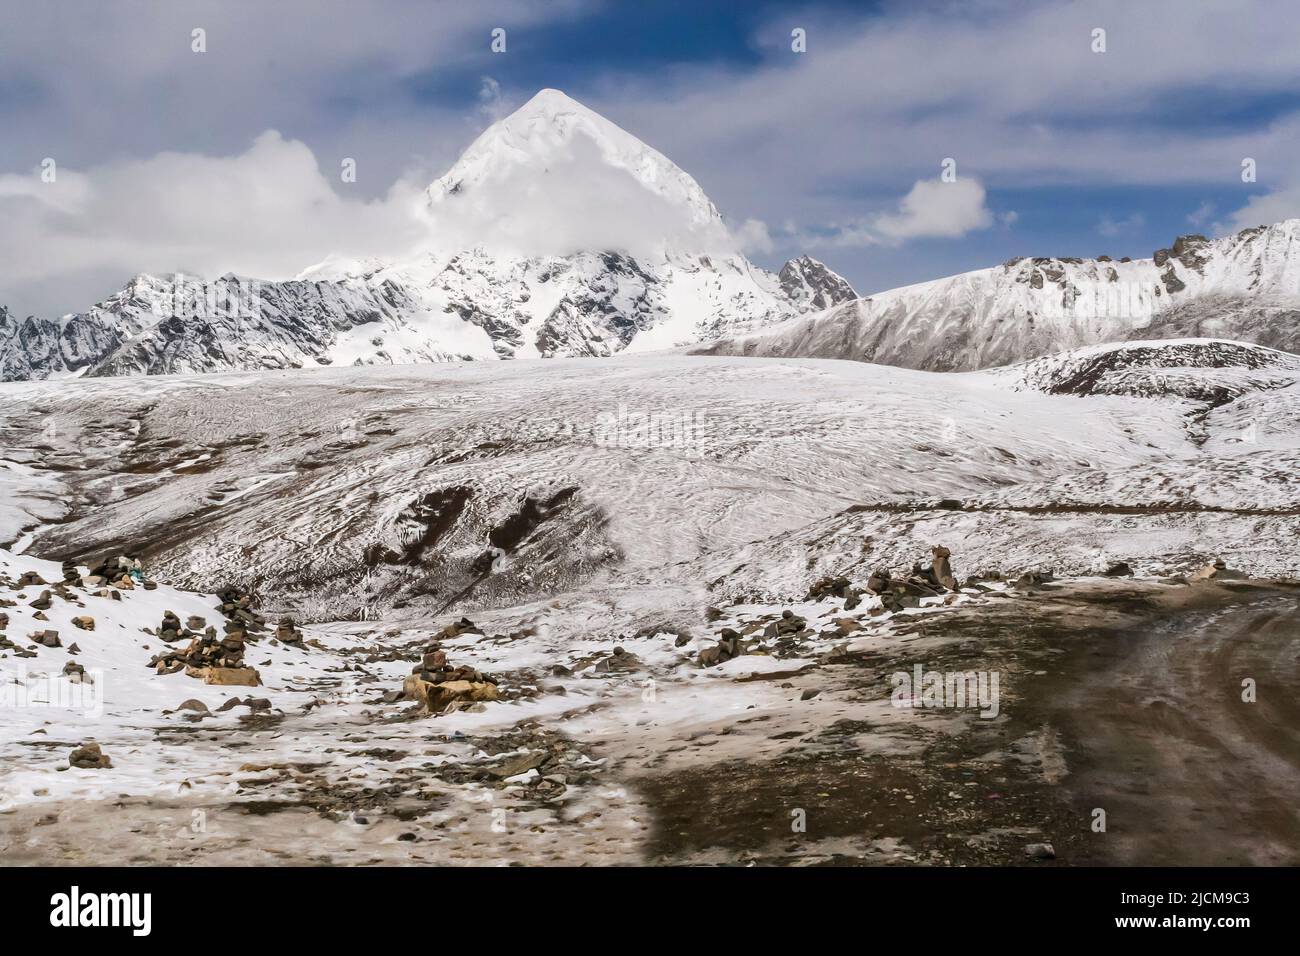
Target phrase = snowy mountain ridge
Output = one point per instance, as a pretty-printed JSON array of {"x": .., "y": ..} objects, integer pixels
[{"x": 1245, "y": 286}]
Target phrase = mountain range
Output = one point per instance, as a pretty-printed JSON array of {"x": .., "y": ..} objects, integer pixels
[{"x": 1244, "y": 287}]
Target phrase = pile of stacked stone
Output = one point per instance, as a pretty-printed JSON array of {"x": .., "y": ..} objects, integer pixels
[
  {"x": 897, "y": 594},
  {"x": 237, "y": 606},
  {"x": 286, "y": 632},
  {"x": 7, "y": 645},
  {"x": 787, "y": 631},
  {"x": 836, "y": 586},
  {"x": 215, "y": 660},
  {"x": 440, "y": 688},
  {"x": 76, "y": 674},
  {"x": 730, "y": 644},
  {"x": 122, "y": 572},
  {"x": 71, "y": 576}
]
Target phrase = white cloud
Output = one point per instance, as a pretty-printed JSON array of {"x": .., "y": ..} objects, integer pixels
[
  {"x": 1110, "y": 226},
  {"x": 932, "y": 209},
  {"x": 1202, "y": 214},
  {"x": 1283, "y": 203},
  {"x": 1012, "y": 91},
  {"x": 936, "y": 209},
  {"x": 267, "y": 212},
  {"x": 752, "y": 237}
]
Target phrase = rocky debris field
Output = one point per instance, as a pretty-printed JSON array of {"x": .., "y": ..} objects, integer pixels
[{"x": 579, "y": 731}]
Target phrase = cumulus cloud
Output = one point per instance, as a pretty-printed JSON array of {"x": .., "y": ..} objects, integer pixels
[
  {"x": 272, "y": 212},
  {"x": 1283, "y": 203},
  {"x": 935, "y": 209},
  {"x": 267, "y": 212},
  {"x": 932, "y": 209}
]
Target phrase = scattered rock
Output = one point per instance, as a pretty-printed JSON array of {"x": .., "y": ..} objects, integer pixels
[
  {"x": 1040, "y": 851},
  {"x": 89, "y": 756},
  {"x": 47, "y": 638},
  {"x": 84, "y": 622},
  {"x": 1034, "y": 578}
]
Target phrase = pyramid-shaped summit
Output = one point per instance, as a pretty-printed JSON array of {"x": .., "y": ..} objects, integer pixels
[{"x": 544, "y": 136}]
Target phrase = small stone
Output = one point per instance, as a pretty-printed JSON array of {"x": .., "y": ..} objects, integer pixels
[
  {"x": 1040, "y": 851},
  {"x": 89, "y": 756}
]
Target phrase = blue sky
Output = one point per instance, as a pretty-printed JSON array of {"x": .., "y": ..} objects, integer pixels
[{"x": 1060, "y": 149}]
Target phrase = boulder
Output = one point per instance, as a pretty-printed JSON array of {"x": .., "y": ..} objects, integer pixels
[
  {"x": 434, "y": 698},
  {"x": 84, "y": 622},
  {"x": 228, "y": 676},
  {"x": 89, "y": 756}
]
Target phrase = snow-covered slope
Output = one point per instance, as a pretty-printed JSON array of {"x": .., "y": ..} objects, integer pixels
[
  {"x": 1245, "y": 287},
  {"x": 555, "y": 234},
  {"x": 493, "y": 484}
]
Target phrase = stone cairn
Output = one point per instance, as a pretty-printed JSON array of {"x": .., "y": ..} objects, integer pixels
[
  {"x": 122, "y": 572},
  {"x": 217, "y": 660},
  {"x": 440, "y": 688}
]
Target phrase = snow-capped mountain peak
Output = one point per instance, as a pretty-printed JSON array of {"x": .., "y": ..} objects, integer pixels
[{"x": 546, "y": 136}]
